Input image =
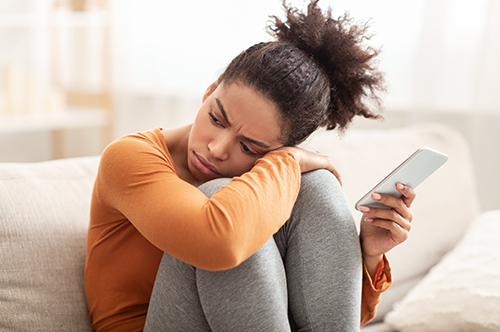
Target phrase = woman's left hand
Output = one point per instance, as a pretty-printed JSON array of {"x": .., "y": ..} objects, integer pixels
[{"x": 383, "y": 229}]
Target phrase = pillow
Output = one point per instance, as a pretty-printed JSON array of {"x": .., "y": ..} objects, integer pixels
[
  {"x": 44, "y": 216},
  {"x": 462, "y": 292}
]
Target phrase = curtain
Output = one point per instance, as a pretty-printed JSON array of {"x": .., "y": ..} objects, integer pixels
[
  {"x": 438, "y": 54},
  {"x": 441, "y": 59}
]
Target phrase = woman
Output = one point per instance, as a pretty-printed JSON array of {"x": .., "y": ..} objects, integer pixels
[{"x": 236, "y": 227}]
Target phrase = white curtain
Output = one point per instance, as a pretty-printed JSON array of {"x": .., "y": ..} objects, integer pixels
[
  {"x": 457, "y": 60},
  {"x": 441, "y": 57},
  {"x": 438, "y": 54}
]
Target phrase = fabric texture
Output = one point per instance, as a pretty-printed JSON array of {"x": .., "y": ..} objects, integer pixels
[
  {"x": 318, "y": 247},
  {"x": 321, "y": 252},
  {"x": 35, "y": 206},
  {"x": 189, "y": 299},
  {"x": 462, "y": 292},
  {"x": 44, "y": 213},
  {"x": 139, "y": 210},
  {"x": 186, "y": 298}
]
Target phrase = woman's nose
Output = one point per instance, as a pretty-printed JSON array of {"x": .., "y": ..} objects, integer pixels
[{"x": 219, "y": 148}]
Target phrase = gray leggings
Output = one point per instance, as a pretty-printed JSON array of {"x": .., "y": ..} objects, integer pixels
[{"x": 307, "y": 277}]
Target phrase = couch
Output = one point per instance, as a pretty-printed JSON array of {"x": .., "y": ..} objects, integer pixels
[{"x": 44, "y": 211}]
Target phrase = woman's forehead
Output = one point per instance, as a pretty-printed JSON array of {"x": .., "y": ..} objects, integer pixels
[{"x": 250, "y": 112}]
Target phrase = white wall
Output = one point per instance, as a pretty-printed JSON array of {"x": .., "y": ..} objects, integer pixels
[
  {"x": 480, "y": 131},
  {"x": 166, "y": 53},
  {"x": 438, "y": 68}
]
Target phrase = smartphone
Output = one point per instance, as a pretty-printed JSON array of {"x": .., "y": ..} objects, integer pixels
[{"x": 411, "y": 172}]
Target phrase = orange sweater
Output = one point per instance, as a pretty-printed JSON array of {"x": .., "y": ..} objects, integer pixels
[{"x": 141, "y": 208}]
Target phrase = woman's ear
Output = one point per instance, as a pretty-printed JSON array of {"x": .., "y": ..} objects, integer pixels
[{"x": 211, "y": 88}]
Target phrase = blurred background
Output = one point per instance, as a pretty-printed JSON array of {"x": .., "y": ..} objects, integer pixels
[{"x": 75, "y": 74}]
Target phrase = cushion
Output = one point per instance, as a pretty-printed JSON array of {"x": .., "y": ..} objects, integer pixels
[
  {"x": 364, "y": 157},
  {"x": 377, "y": 327},
  {"x": 462, "y": 292},
  {"x": 44, "y": 215}
]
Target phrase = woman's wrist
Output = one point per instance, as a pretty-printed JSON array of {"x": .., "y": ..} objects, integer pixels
[{"x": 372, "y": 263}]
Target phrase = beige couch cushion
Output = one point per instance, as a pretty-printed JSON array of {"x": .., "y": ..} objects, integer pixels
[
  {"x": 44, "y": 213},
  {"x": 446, "y": 202},
  {"x": 462, "y": 292}
]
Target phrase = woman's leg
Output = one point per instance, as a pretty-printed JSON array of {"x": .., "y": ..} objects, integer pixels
[
  {"x": 249, "y": 297},
  {"x": 320, "y": 247}
]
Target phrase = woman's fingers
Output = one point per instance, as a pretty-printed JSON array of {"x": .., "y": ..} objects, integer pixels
[
  {"x": 334, "y": 170},
  {"x": 397, "y": 219},
  {"x": 384, "y": 228},
  {"x": 323, "y": 161},
  {"x": 397, "y": 205},
  {"x": 310, "y": 160},
  {"x": 399, "y": 231},
  {"x": 390, "y": 215},
  {"x": 407, "y": 192}
]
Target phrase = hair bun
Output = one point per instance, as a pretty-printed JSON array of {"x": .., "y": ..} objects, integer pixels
[{"x": 337, "y": 47}]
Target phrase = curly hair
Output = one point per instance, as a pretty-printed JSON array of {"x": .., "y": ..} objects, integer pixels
[{"x": 318, "y": 72}]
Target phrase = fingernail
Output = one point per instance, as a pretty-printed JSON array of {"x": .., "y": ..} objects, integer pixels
[
  {"x": 368, "y": 219},
  {"x": 401, "y": 186},
  {"x": 364, "y": 209},
  {"x": 376, "y": 196}
]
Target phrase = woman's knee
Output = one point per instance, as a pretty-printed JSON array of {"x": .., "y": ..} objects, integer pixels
[
  {"x": 321, "y": 209},
  {"x": 249, "y": 297},
  {"x": 211, "y": 187},
  {"x": 320, "y": 178},
  {"x": 322, "y": 187},
  {"x": 174, "y": 301}
]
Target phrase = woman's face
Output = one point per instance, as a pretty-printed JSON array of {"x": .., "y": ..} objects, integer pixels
[{"x": 234, "y": 127}]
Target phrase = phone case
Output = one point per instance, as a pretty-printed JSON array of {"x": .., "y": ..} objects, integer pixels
[{"x": 411, "y": 172}]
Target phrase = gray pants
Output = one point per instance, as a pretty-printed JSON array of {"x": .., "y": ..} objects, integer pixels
[{"x": 307, "y": 277}]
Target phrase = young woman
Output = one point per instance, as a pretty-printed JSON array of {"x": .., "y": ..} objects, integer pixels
[{"x": 227, "y": 225}]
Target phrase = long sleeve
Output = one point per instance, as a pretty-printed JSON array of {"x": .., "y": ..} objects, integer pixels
[
  {"x": 214, "y": 234},
  {"x": 373, "y": 289},
  {"x": 141, "y": 208}
]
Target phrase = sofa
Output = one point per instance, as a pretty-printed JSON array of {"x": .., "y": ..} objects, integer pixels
[{"x": 446, "y": 275}]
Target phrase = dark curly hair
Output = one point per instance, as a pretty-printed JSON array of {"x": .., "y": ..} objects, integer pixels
[{"x": 318, "y": 72}]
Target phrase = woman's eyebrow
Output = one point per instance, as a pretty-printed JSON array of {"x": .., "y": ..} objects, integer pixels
[
  {"x": 221, "y": 109},
  {"x": 261, "y": 144},
  {"x": 251, "y": 140}
]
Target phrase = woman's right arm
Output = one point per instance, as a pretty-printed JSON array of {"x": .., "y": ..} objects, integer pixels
[{"x": 139, "y": 182}]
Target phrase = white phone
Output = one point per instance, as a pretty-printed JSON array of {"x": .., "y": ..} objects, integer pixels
[{"x": 411, "y": 172}]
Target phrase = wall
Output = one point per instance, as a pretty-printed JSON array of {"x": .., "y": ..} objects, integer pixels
[
  {"x": 165, "y": 54},
  {"x": 481, "y": 132}
]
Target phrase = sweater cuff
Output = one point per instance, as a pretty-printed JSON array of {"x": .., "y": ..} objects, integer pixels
[{"x": 382, "y": 278}]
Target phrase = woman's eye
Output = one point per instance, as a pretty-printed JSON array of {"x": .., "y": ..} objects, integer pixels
[
  {"x": 215, "y": 120},
  {"x": 247, "y": 150}
]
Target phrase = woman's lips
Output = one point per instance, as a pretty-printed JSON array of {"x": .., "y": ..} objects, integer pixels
[{"x": 204, "y": 166}]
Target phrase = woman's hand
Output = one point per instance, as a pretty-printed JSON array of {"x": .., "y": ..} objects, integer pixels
[
  {"x": 311, "y": 160},
  {"x": 383, "y": 229}
]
